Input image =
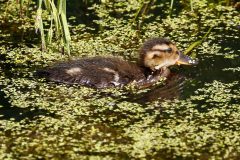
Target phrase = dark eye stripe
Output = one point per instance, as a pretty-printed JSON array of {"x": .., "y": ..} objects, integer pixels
[
  {"x": 163, "y": 50},
  {"x": 168, "y": 50}
]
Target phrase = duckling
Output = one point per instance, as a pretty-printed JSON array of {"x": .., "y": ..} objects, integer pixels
[{"x": 156, "y": 55}]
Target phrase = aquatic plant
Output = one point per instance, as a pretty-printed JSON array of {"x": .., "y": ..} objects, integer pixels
[
  {"x": 43, "y": 120},
  {"x": 58, "y": 16}
]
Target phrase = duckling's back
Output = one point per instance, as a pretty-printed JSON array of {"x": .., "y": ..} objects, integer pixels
[{"x": 98, "y": 72}]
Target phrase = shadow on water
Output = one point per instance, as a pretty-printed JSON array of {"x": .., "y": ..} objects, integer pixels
[
  {"x": 9, "y": 112},
  {"x": 171, "y": 89}
]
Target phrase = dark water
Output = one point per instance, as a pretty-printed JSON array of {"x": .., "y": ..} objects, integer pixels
[{"x": 213, "y": 67}]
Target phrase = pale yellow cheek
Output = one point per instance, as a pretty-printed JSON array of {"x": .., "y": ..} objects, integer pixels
[
  {"x": 158, "y": 61},
  {"x": 153, "y": 63},
  {"x": 148, "y": 56}
]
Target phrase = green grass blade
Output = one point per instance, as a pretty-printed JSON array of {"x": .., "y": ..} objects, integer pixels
[
  {"x": 50, "y": 33},
  {"x": 198, "y": 42},
  {"x": 171, "y": 5},
  {"x": 66, "y": 32},
  {"x": 55, "y": 15},
  {"x": 192, "y": 46},
  {"x": 39, "y": 24},
  {"x": 191, "y": 5}
]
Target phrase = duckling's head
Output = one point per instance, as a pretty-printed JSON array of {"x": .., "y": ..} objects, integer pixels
[{"x": 157, "y": 53}]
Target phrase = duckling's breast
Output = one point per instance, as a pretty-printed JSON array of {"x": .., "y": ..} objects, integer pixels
[{"x": 98, "y": 72}]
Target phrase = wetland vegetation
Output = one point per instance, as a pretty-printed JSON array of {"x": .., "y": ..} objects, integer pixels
[{"x": 197, "y": 116}]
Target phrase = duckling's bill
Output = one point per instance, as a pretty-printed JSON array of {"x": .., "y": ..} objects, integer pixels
[{"x": 186, "y": 60}]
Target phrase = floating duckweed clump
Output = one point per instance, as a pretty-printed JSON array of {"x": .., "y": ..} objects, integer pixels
[{"x": 195, "y": 116}]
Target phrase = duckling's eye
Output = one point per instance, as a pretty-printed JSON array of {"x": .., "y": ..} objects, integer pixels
[{"x": 169, "y": 50}]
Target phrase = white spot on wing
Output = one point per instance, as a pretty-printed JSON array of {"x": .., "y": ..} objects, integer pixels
[
  {"x": 74, "y": 71},
  {"x": 109, "y": 70},
  {"x": 116, "y": 75}
]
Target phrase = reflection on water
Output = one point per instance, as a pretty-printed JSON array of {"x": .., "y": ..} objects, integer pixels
[{"x": 172, "y": 89}]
